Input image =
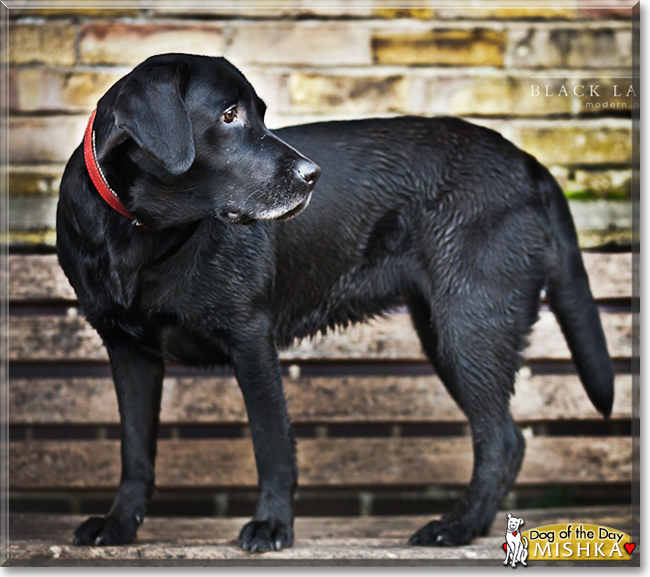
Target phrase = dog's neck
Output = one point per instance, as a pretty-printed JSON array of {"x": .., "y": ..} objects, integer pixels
[
  {"x": 110, "y": 151},
  {"x": 97, "y": 175}
]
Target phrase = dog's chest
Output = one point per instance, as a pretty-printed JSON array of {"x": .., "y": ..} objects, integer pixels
[
  {"x": 194, "y": 305},
  {"x": 184, "y": 328}
]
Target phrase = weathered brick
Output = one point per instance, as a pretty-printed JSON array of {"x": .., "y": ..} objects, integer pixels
[
  {"x": 587, "y": 184},
  {"x": 541, "y": 11},
  {"x": 571, "y": 47},
  {"x": 602, "y": 222},
  {"x": 607, "y": 183},
  {"x": 268, "y": 9},
  {"x": 38, "y": 89},
  {"x": 576, "y": 145},
  {"x": 85, "y": 11},
  {"x": 475, "y": 47},
  {"x": 32, "y": 213},
  {"x": 596, "y": 239},
  {"x": 600, "y": 48},
  {"x": 465, "y": 96},
  {"x": 127, "y": 43},
  {"x": 620, "y": 9},
  {"x": 607, "y": 13},
  {"x": 46, "y": 43},
  {"x": 299, "y": 44},
  {"x": 254, "y": 8},
  {"x": 411, "y": 10},
  {"x": 44, "y": 140},
  {"x": 282, "y": 119},
  {"x": 269, "y": 86},
  {"x": 34, "y": 180},
  {"x": 312, "y": 93},
  {"x": 601, "y": 215},
  {"x": 334, "y": 8},
  {"x": 31, "y": 239}
]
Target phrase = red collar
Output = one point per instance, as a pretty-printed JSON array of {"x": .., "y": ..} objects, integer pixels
[{"x": 97, "y": 176}]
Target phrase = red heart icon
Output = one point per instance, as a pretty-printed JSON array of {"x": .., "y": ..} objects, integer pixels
[
  {"x": 629, "y": 547},
  {"x": 514, "y": 533},
  {"x": 505, "y": 546}
]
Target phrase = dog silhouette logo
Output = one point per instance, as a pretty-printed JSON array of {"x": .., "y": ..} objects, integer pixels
[{"x": 516, "y": 545}]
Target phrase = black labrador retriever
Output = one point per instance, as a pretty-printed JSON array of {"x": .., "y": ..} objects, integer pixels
[{"x": 169, "y": 229}]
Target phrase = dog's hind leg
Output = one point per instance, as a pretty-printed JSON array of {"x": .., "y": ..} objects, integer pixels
[
  {"x": 138, "y": 380},
  {"x": 475, "y": 355},
  {"x": 524, "y": 551}
]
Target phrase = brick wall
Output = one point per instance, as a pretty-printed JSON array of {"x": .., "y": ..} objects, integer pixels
[{"x": 315, "y": 61}]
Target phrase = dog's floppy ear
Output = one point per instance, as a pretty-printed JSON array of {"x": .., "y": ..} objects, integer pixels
[
  {"x": 151, "y": 109},
  {"x": 521, "y": 521}
]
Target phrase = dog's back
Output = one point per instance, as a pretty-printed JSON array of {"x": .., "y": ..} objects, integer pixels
[{"x": 402, "y": 203}]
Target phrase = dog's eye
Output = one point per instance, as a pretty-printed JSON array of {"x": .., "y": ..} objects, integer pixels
[{"x": 229, "y": 115}]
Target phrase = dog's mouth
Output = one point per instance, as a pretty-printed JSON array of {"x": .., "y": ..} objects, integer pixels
[
  {"x": 296, "y": 210},
  {"x": 235, "y": 216}
]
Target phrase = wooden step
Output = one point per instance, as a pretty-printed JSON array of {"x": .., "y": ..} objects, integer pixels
[
  {"x": 358, "y": 462},
  {"x": 366, "y": 539}
]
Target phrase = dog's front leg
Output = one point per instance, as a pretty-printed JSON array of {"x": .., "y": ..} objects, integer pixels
[
  {"x": 515, "y": 554},
  {"x": 138, "y": 380},
  {"x": 258, "y": 371},
  {"x": 508, "y": 551}
]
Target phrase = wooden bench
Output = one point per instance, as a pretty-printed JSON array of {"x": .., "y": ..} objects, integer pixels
[{"x": 371, "y": 378}]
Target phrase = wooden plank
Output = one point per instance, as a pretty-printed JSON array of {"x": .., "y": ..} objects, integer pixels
[
  {"x": 64, "y": 338},
  {"x": 58, "y": 528},
  {"x": 610, "y": 274},
  {"x": 38, "y": 277},
  {"x": 316, "y": 400},
  {"x": 393, "y": 338},
  {"x": 54, "y": 339},
  {"x": 309, "y": 552},
  {"x": 45, "y": 465}
]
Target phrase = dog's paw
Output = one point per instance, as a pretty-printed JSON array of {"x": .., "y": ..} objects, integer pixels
[
  {"x": 268, "y": 535},
  {"x": 440, "y": 533},
  {"x": 104, "y": 531}
]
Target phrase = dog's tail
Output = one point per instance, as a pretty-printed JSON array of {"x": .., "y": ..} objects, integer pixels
[{"x": 573, "y": 304}]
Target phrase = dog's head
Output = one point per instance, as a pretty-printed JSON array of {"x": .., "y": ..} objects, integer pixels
[
  {"x": 514, "y": 522},
  {"x": 186, "y": 136}
]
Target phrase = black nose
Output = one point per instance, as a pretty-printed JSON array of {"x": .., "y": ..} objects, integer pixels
[{"x": 308, "y": 171}]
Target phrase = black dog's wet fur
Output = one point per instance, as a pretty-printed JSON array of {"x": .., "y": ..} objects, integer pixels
[{"x": 450, "y": 216}]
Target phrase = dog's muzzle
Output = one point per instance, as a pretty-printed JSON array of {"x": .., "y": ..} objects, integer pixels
[
  {"x": 309, "y": 173},
  {"x": 306, "y": 174}
]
